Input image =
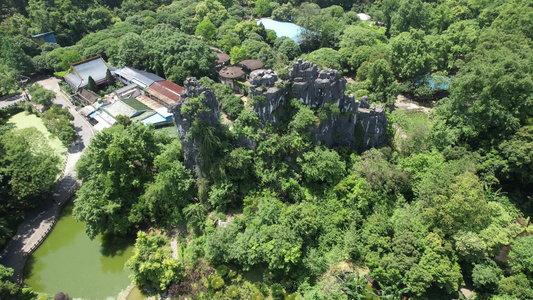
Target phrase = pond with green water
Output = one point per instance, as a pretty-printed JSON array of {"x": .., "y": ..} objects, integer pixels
[{"x": 68, "y": 261}]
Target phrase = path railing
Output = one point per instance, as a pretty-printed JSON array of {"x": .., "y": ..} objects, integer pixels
[
  {"x": 10, "y": 98},
  {"x": 64, "y": 166},
  {"x": 26, "y": 254}
]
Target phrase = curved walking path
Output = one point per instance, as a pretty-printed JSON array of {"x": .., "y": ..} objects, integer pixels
[
  {"x": 11, "y": 100},
  {"x": 38, "y": 224}
]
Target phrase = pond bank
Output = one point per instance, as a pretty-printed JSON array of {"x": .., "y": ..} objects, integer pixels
[{"x": 68, "y": 261}]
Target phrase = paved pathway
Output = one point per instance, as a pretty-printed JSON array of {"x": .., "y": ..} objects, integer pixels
[
  {"x": 41, "y": 221},
  {"x": 174, "y": 239},
  {"x": 12, "y": 100}
]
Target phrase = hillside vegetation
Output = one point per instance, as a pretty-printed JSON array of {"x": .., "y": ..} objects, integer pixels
[{"x": 444, "y": 203}]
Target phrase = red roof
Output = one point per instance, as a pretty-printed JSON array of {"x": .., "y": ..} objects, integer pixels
[{"x": 166, "y": 90}]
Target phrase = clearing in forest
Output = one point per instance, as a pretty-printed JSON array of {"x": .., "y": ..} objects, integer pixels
[{"x": 25, "y": 120}]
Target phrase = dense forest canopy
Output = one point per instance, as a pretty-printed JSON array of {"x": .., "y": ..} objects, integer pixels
[{"x": 444, "y": 203}]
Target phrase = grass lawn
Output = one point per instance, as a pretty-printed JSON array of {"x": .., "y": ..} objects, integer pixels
[
  {"x": 171, "y": 131},
  {"x": 24, "y": 120}
]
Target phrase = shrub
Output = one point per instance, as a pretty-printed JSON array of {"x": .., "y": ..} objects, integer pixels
[
  {"x": 233, "y": 292},
  {"x": 222, "y": 270},
  {"x": 277, "y": 291},
  {"x": 283, "y": 74},
  {"x": 232, "y": 273},
  {"x": 258, "y": 296},
  {"x": 292, "y": 296},
  {"x": 233, "y": 106},
  {"x": 217, "y": 283}
]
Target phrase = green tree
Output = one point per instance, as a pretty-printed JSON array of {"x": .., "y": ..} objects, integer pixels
[
  {"x": 290, "y": 48},
  {"x": 486, "y": 277},
  {"x": 178, "y": 50},
  {"x": 10, "y": 290},
  {"x": 68, "y": 58},
  {"x": 109, "y": 78},
  {"x": 518, "y": 152},
  {"x": 262, "y": 8},
  {"x": 206, "y": 29},
  {"x": 131, "y": 51},
  {"x": 123, "y": 120},
  {"x": 115, "y": 169},
  {"x": 8, "y": 79},
  {"x": 40, "y": 95},
  {"x": 29, "y": 166},
  {"x": 171, "y": 191},
  {"x": 462, "y": 206},
  {"x": 435, "y": 267},
  {"x": 414, "y": 14},
  {"x": 13, "y": 56},
  {"x": 322, "y": 165},
  {"x": 410, "y": 55},
  {"x": 233, "y": 106},
  {"x": 303, "y": 119},
  {"x": 283, "y": 13},
  {"x": 521, "y": 255},
  {"x": 58, "y": 122},
  {"x": 152, "y": 263},
  {"x": 382, "y": 81},
  {"x": 229, "y": 41},
  {"x": 326, "y": 58},
  {"x": 515, "y": 285},
  {"x": 470, "y": 247},
  {"x": 211, "y": 10},
  {"x": 489, "y": 98},
  {"x": 238, "y": 54},
  {"x": 91, "y": 85},
  {"x": 355, "y": 36}
]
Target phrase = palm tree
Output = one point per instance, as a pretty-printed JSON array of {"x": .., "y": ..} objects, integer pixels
[
  {"x": 355, "y": 287},
  {"x": 391, "y": 292}
]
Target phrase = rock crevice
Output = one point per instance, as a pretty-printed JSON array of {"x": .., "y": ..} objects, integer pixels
[{"x": 208, "y": 115}]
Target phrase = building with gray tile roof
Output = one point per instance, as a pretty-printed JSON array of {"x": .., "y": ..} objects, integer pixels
[
  {"x": 129, "y": 75},
  {"x": 94, "y": 67}
]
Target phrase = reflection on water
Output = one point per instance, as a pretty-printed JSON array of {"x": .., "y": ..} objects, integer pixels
[
  {"x": 136, "y": 294},
  {"x": 68, "y": 261}
]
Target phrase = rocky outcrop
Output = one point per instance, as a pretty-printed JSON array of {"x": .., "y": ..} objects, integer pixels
[
  {"x": 342, "y": 120},
  {"x": 314, "y": 87},
  {"x": 374, "y": 125},
  {"x": 267, "y": 93},
  {"x": 208, "y": 114},
  {"x": 324, "y": 91}
]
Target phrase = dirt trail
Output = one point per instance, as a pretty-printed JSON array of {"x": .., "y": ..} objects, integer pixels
[{"x": 404, "y": 103}]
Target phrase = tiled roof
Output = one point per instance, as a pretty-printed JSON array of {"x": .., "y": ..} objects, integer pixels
[
  {"x": 154, "y": 119},
  {"x": 232, "y": 72},
  {"x": 162, "y": 116},
  {"x": 120, "y": 108},
  {"x": 143, "y": 116},
  {"x": 42, "y": 34},
  {"x": 251, "y": 64},
  {"x": 94, "y": 67},
  {"x": 167, "y": 91},
  {"x": 142, "y": 78},
  {"x": 126, "y": 88},
  {"x": 222, "y": 58},
  {"x": 89, "y": 96}
]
